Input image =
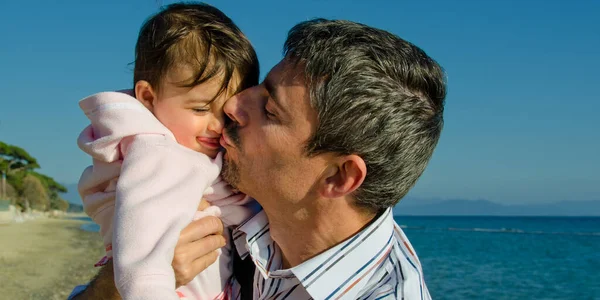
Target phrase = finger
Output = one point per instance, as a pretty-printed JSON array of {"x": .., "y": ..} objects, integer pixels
[
  {"x": 185, "y": 274},
  {"x": 191, "y": 259},
  {"x": 200, "y": 228},
  {"x": 205, "y": 245},
  {"x": 187, "y": 253},
  {"x": 204, "y": 262},
  {"x": 203, "y": 204}
]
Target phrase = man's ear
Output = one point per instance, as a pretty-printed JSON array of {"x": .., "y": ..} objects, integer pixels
[
  {"x": 145, "y": 94},
  {"x": 344, "y": 176}
]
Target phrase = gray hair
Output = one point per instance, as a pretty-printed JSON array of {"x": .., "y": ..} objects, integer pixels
[{"x": 376, "y": 96}]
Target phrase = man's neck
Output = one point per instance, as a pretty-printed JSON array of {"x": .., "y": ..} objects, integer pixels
[{"x": 305, "y": 233}]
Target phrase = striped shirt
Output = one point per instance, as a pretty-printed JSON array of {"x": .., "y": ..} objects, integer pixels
[{"x": 376, "y": 263}]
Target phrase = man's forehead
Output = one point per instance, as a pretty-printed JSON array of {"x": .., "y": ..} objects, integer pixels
[
  {"x": 286, "y": 73},
  {"x": 287, "y": 87},
  {"x": 289, "y": 92}
]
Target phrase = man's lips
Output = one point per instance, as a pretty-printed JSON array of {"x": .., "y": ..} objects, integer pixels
[
  {"x": 211, "y": 143},
  {"x": 225, "y": 140}
]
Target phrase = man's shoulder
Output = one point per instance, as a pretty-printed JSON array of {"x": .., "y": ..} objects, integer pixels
[{"x": 397, "y": 275}]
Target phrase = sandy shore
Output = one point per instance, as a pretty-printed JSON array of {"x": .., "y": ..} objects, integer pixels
[{"x": 45, "y": 258}]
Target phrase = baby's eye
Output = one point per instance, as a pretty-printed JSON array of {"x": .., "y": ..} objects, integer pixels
[{"x": 200, "y": 109}]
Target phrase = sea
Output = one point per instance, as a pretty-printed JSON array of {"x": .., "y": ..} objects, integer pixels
[
  {"x": 507, "y": 257},
  {"x": 476, "y": 257}
]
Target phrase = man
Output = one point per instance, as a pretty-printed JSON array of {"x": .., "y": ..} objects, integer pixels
[{"x": 336, "y": 134}]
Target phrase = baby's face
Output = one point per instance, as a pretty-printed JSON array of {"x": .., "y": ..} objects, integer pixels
[{"x": 189, "y": 113}]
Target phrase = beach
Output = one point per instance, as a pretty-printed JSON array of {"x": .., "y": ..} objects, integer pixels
[{"x": 46, "y": 257}]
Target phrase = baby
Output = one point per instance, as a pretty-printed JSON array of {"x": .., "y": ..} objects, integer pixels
[{"x": 156, "y": 150}]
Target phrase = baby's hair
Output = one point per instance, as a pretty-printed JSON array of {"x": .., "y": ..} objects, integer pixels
[{"x": 198, "y": 36}]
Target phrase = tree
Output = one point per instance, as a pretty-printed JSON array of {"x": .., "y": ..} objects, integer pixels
[
  {"x": 53, "y": 188},
  {"x": 35, "y": 193},
  {"x": 14, "y": 164},
  {"x": 49, "y": 183},
  {"x": 14, "y": 159},
  {"x": 11, "y": 193},
  {"x": 59, "y": 204},
  {"x": 31, "y": 188}
]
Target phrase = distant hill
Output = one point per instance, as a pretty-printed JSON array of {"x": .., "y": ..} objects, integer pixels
[{"x": 459, "y": 207}]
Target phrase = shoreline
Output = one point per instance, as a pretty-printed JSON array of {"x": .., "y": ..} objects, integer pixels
[{"x": 46, "y": 258}]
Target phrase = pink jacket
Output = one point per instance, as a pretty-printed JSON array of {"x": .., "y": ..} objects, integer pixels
[{"x": 158, "y": 185}]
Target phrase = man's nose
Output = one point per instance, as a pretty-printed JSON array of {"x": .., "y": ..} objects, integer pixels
[{"x": 235, "y": 108}]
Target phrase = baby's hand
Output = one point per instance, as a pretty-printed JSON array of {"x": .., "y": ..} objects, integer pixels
[
  {"x": 206, "y": 209},
  {"x": 203, "y": 205}
]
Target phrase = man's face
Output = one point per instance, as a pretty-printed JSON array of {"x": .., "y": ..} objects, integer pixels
[{"x": 266, "y": 141}]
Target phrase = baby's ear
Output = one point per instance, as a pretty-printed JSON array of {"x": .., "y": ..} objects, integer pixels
[{"x": 145, "y": 94}]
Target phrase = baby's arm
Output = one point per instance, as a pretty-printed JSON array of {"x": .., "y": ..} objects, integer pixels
[
  {"x": 196, "y": 250},
  {"x": 157, "y": 194}
]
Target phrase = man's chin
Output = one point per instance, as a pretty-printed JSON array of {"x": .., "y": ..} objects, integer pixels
[{"x": 230, "y": 172}]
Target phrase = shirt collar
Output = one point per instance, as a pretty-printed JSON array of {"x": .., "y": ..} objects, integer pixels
[{"x": 340, "y": 267}]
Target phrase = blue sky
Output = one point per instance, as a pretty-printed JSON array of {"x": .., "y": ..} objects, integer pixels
[{"x": 523, "y": 76}]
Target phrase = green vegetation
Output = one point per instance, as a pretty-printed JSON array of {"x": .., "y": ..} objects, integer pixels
[{"x": 25, "y": 187}]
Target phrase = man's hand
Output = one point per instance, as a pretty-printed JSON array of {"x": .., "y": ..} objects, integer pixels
[{"x": 197, "y": 248}]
